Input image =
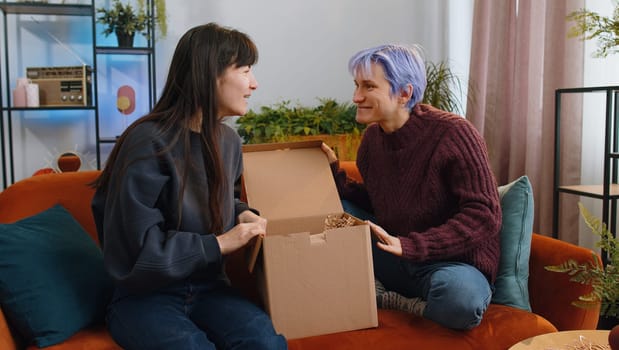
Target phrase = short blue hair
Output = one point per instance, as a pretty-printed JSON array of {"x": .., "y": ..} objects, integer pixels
[{"x": 403, "y": 65}]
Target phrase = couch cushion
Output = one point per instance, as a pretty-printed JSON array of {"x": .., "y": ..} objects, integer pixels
[
  {"x": 512, "y": 280},
  {"x": 501, "y": 327},
  {"x": 52, "y": 280},
  {"x": 71, "y": 190}
]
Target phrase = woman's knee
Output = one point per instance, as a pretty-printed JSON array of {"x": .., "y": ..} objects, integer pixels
[
  {"x": 456, "y": 314},
  {"x": 458, "y": 299},
  {"x": 462, "y": 283}
]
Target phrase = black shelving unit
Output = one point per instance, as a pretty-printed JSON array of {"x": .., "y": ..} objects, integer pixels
[
  {"x": 6, "y": 121},
  {"x": 88, "y": 10},
  {"x": 608, "y": 190},
  {"x": 149, "y": 52}
]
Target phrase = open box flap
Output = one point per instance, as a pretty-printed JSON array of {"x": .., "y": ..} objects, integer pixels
[
  {"x": 289, "y": 180},
  {"x": 286, "y": 181},
  {"x": 253, "y": 253}
]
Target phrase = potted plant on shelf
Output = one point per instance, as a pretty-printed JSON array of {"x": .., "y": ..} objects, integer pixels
[
  {"x": 125, "y": 20},
  {"x": 603, "y": 278},
  {"x": 591, "y": 25}
]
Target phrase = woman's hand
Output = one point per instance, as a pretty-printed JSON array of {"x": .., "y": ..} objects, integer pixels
[
  {"x": 329, "y": 152},
  {"x": 386, "y": 242},
  {"x": 249, "y": 226},
  {"x": 239, "y": 236},
  {"x": 248, "y": 216}
]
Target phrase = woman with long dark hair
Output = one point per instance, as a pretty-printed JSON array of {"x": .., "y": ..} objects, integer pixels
[{"x": 167, "y": 207}]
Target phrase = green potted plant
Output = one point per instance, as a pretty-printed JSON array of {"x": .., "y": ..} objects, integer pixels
[
  {"x": 442, "y": 87},
  {"x": 125, "y": 20},
  {"x": 330, "y": 121},
  {"x": 603, "y": 278},
  {"x": 591, "y": 25}
]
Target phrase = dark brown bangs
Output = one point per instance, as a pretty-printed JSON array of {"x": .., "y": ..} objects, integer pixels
[
  {"x": 239, "y": 50},
  {"x": 247, "y": 53}
]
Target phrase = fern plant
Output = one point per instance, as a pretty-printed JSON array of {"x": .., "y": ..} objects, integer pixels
[{"x": 604, "y": 280}]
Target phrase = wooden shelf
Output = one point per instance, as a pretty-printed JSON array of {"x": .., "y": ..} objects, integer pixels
[{"x": 595, "y": 191}]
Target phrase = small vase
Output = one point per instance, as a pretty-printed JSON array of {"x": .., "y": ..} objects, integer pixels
[
  {"x": 32, "y": 95},
  {"x": 124, "y": 39},
  {"x": 19, "y": 94}
]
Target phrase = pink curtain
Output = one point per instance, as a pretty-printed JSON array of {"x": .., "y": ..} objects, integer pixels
[{"x": 520, "y": 55}]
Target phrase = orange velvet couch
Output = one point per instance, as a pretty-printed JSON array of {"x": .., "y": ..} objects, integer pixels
[{"x": 550, "y": 293}]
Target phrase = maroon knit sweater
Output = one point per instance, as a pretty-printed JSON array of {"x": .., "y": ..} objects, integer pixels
[{"x": 430, "y": 183}]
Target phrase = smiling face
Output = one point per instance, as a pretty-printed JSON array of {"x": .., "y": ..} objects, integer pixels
[
  {"x": 375, "y": 103},
  {"x": 234, "y": 87}
]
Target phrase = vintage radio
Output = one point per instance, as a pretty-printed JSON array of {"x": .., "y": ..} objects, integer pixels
[{"x": 63, "y": 86}]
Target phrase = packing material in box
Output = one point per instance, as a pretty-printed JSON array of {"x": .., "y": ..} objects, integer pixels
[{"x": 312, "y": 280}]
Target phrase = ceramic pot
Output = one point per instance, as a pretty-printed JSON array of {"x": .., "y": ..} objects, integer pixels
[{"x": 124, "y": 39}]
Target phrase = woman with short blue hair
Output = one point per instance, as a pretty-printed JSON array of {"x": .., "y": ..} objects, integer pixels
[
  {"x": 427, "y": 182},
  {"x": 402, "y": 66}
]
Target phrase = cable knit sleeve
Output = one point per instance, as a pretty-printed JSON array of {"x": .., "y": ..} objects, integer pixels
[{"x": 348, "y": 188}]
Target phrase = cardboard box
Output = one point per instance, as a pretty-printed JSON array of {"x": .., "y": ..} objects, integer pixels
[{"x": 312, "y": 281}]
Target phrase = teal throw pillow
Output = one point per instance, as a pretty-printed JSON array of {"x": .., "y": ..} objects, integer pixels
[
  {"x": 511, "y": 286},
  {"x": 52, "y": 280}
]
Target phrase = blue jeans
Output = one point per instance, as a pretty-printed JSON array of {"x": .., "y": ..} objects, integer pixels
[
  {"x": 191, "y": 316},
  {"x": 457, "y": 294}
]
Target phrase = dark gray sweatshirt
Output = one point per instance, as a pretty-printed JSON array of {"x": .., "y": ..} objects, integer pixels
[{"x": 143, "y": 245}]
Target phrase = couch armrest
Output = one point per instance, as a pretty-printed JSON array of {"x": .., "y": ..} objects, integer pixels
[
  {"x": 71, "y": 190},
  {"x": 351, "y": 169},
  {"x": 551, "y": 293}
]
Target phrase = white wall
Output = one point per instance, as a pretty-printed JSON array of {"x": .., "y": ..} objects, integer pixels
[{"x": 304, "y": 48}]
